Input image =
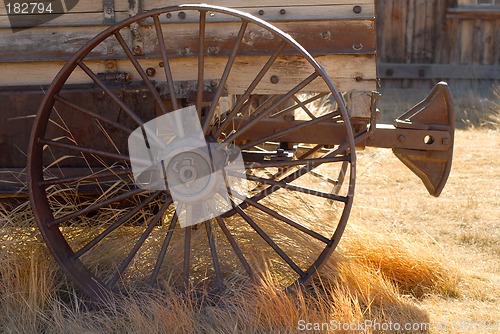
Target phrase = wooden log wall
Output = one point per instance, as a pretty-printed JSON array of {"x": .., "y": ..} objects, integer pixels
[{"x": 421, "y": 42}]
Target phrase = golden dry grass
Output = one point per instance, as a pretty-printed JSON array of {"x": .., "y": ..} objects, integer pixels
[{"x": 405, "y": 258}]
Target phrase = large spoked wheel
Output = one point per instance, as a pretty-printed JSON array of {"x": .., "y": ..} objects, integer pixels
[{"x": 111, "y": 234}]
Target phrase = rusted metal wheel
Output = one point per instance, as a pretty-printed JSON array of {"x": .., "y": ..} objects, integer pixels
[{"x": 109, "y": 234}]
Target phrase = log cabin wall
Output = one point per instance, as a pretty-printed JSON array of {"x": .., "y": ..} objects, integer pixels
[{"x": 421, "y": 42}]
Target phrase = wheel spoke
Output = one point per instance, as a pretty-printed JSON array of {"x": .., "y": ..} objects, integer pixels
[
  {"x": 201, "y": 61},
  {"x": 313, "y": 162},
  {"x": 301, "y": 171},
  {"x": 166, "y": 62},
  {"x": 213, "y": 252},
  {"x": 303, "y": 107},
  {"x": 141, "y": 72},
  {"x": 96, "y": 206},
  {"x": 281, "y": 133},
  {"x": 268, "y": 240},
  {"x": 289, "y": 186},
  {"x": 110, "y": 93},
  {"x": 225, "y": 75},
  {"x": 115, "y": 225},
  {"x": 164, "y": 247},
  {"x": 236, "y": 248},
  {"x": 187, "y": 255},
  {"x": 278, "y": 216},
  {"x": 83, "y": 149},
  {"x": 250, "y": 89},
  {"x": 114, "y": 124},
  {"x": 107, "y": 173},
  {"x": 255, "y": 120},
  {"x": 300, "y": 104},
  {"x": 112, "y": 282},
  {"x": 147, "y": 133}
]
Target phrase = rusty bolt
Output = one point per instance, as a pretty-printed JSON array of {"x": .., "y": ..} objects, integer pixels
[
  {"x": 445, "y": 141},
  {"x": 213, "y": 50},
  {"x": 182, "y": 15},
  {"x": 110, "y": 64},
  {"x": 184, "y": 51},
  {"x": 150, "y": 71},
  {"x": 261, "y": 12},
  {"x": 137, "y": 50},
  {"x": 356, "y": 9},
  {"x": 326, "y": 35},
  {"x": 359, "y": 78},
  {"x": 168, "y": 15},
  {"x": 401, "y": 138},
  {"x": 357, "y": 46},
  {"x": 283, "y": 11},
  {"x": 109, "y": 11},
  {"x": 161, "y": 64},
  {"x": 275, "y": 79}
]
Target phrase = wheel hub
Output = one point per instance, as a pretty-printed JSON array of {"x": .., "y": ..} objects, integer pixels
[{"x": 190, "y": 176}]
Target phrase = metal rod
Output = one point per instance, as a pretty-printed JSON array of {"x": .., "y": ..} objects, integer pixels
[
  {"x": 166, "y": 62},
  {"x": 92, "y": 114},
  {"x": 213, "y": 253},
  {"x": 164, "y": 247},
  {"x": 236, "y": 248},
  {"x": 289, "y": 186},
  {"x": 146, "y": 131},
  {"x": 263, "y": 114},
  {"x": 313, "y": 162},
  {"x": 250, "y": 88},
  {"x": 269, "y": 241},
  {"x": 108, "y": 91},
  {"x": 284, "y": 219},
  {"x": 225, "y": 76},
  {"x": 96, "y": 175},
  {"x": 187, "y": 254},
  {"x": 141, "y": 72},
  {"x": 114, "y": 226},
  {"x": 312, "y": 99},
  {"x": 112, "y": 282},
  {"x": 84, "y": 149},
  {"x": 96, "y": 206},
  {"x": 201, "y": 61}
]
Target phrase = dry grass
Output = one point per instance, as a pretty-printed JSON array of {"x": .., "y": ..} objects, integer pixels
[{"x": 380, "y": 279}]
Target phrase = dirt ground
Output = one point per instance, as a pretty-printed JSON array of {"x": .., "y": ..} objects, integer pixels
[{"x": 463, "y": 223}]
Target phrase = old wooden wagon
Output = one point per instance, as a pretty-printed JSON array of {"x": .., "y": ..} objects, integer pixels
[{"x": 289, "y": 86}]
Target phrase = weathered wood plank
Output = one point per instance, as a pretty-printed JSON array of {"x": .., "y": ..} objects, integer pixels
[
  {"x": 466, "y": 41},
  {"x": 61, "y": 43},
  {"x": 93, "y": 6},
  {"x": 150, "y": 4},
  {"x": 488, "y": 42},
  {"x": 347, "y": 72},
  {"x": 293, "y": 13},
  {"x": 271, "y": 14}
]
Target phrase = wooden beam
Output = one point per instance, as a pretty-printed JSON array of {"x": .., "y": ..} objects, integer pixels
[
  {"x": 438, "y": 71},
  {"x": 347, "y": 72}
]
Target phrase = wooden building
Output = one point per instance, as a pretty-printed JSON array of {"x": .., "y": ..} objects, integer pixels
[{"x": 421, "y": 42}]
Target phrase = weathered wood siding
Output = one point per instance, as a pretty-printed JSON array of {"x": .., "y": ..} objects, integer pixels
[{"x": 427, "y": 41}]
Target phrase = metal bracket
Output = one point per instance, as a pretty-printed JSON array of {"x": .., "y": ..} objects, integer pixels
[{"x": 109, "y": 12}]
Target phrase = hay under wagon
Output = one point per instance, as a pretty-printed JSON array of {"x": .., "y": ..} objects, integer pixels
[{"x": 290, "y": 86}]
